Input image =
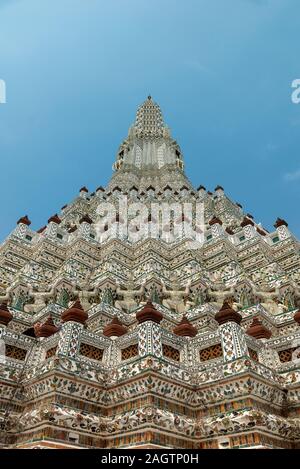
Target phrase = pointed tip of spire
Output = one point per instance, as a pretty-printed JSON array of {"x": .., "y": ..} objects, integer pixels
[{"x": 149, "y": 120}]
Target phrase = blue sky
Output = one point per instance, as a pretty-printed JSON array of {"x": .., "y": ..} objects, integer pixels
[{"x": 76, "y": 70}]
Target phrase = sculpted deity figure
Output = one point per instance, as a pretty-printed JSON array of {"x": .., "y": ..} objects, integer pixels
[
  {"x": 218, "y": 291},
  {"x": 234, "y": 304},
  {"x": 188, "y": 301},
  {"x": 277, "y": 307},
  {"x": 41, "y": 298},
  {"x": 84, "y": 294},
  {"x": 296, "y": 288},
  {"x": 296, "y": 355},
  {"x": 177, "y": 298},
  {"x": 269, "y": 298},
  {"x": 265, "y": 291},
  {"x": 130, "y": 296},
  {"x": 7, "y": 296},
  {"x": 39, "y": 303}
]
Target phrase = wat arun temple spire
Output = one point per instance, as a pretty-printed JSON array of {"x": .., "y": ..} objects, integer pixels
[
  {"x": 150, "y": 314},
  {"x": 149, "y": 155}
]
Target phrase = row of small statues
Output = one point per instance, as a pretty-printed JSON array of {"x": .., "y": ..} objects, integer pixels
[
  {"x": 175, "y": 297},
  {"x": 181, "y": 300}
]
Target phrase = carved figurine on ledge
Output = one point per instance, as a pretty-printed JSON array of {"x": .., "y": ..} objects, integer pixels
[
  {"x": 131, "y": 298},
  {"x": 219, "y": 292},
  {"x": 231, "y": 301},
  {"x": 177, "y": 298},
  {"x": 275, "y": 307}
]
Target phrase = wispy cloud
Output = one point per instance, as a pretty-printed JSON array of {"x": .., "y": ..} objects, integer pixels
[
  {"x": 294, "y": 176},
  {"x": 197, "y": 65},
  {"x": 271, "y": 147}
]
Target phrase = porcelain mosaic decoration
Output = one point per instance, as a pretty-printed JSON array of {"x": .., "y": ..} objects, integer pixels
[{"x": 138, "y": 337}]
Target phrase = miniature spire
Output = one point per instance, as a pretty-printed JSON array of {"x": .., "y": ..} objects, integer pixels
[
  {"x": 258, "y": 330},
  {"x": 227, "y": 314},
  {"x": 24, "y": 221},
  {"x": 115, "y": 328},
  {"x": 76, "y": 313},
  {"x": 185, "y": 328},
  {"x": 280, "y": 222},
  {"x": 55, "y": 219},
  {"x": 46, "y": 329},
  {"x": 149, "y": 313}
]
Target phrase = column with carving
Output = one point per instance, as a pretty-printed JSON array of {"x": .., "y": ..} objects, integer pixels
[
  {"x": 232, "y": 335},
  {"x": 73, "y": 323},
  {"x": 149, "y": 331}
]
